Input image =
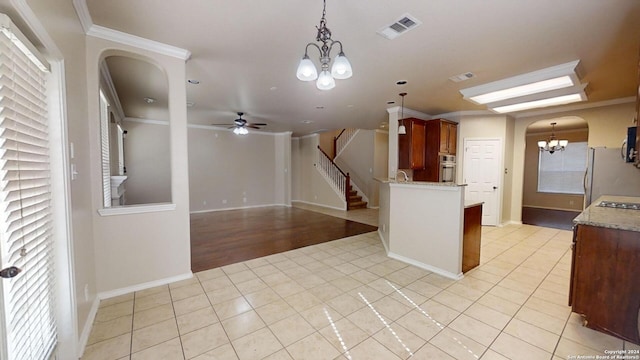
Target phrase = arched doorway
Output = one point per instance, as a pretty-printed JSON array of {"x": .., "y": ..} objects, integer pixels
[{"x": 553, "y": 189}]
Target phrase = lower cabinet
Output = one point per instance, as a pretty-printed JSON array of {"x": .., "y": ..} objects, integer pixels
[
  {"x": 472, "y": 230},
  {"x": 605, "y": 280}
]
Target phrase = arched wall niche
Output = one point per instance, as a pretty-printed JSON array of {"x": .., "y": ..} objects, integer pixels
[{"x": 138, "y": 130}]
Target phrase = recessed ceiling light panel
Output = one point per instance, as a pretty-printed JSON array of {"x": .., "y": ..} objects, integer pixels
[{"x": 462, "y": 77}]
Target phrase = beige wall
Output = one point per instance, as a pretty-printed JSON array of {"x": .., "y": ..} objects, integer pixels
[
  {"x": 140, "y": 248},
  {"x": 230, "y": 171},
  {"x": 311, "y": 187},
  {"x": 531, "y": 196},
  {"x": 380, "y": 163},
  {"x": 326, "y": 141},
  {"x": 488, "y": 127},
  {"x": 147, "y": 159},
  {"x": 607, "y": 127}
]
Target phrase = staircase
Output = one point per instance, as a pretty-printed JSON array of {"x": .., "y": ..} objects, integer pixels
[
  {"x": 354, "y": 201},
  {"x": 340, "y": 181}
]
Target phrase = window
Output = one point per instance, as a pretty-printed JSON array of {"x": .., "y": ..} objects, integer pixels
[
  {"x": 563, "y": 171},
  {"x": 26, "y": 239},
  {"x": 104, "y": 141}
]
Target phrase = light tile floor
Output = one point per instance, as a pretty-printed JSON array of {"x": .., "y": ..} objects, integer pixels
[{"x": 346, "y": 300}]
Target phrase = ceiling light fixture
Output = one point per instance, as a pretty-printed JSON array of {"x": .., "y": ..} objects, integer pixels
[
  {"x": 402, "y": 130},
  {"x": 240, "y": 130},
  {"x": 553, "y": 144},
  {"x": 149, "y": 100},
  {"x": 556, "y": 85},
  {"x": 341, "y": 68}
]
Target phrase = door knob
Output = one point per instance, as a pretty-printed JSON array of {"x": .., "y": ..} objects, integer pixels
[
  {"x": 10, "y": 272},
  {"x": 495, "y": 188}
]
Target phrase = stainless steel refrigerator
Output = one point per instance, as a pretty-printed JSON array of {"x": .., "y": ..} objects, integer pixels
[{"x": 608, "y": 174}]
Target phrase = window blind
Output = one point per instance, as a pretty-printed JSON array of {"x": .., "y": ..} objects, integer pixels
[
  {"x": 25, "y": 212},
  {"x": 563, "y": 171},
  {"x": 104, "y": 143}
]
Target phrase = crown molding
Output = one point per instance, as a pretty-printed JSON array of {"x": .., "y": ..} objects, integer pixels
[
  {"x": 138, "y": 42},
  {"x": 83, "y": 14},
  {"x": 52, "y": 52},
  {"x": 105, "y": 33},
  {"x": 412, "y": 113}
]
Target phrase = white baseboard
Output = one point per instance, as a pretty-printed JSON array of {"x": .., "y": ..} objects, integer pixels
[
  {"x": 431, "y": 268},
  {"x": 320, "y": 205},
  {"x": 86, "y": 330},
  {"x": 236, "y": 208},
  {"x": 129, "y": 289}
]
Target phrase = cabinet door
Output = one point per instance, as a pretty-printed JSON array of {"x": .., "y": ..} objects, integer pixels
[
  {"x": 453, "y": 138},
  {"x": 444, "y": 137},
  {"x": 417, "y": 144}
]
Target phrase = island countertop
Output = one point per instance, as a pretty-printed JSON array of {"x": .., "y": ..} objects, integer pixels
[
  {"x": 622, "y": 219},
  {"x": 418, "y": 183}
]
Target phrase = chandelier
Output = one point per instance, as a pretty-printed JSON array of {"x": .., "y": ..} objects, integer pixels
[
  {"x": 341, "y": 68},
  {"x": 553, "y": 144}
]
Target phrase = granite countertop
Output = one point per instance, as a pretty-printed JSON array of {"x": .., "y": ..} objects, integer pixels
[
  {"x": 411, "y": 182},
  {"x": 622, "y": 219}
]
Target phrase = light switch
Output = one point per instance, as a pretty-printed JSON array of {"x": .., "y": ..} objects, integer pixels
[{"x": 74, "y": 172}]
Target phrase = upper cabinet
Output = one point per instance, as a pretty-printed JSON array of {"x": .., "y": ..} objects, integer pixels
[
  {"x": 411, "y": 146},
  {"x": 441, "y": 136},
  {"x": 637, "y": 148}
]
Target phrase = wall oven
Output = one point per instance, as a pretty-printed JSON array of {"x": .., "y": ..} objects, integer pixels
[{"x": 447, "y": 164}]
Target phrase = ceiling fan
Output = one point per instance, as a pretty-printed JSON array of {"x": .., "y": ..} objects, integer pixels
[{"x": 240, "y": 125}]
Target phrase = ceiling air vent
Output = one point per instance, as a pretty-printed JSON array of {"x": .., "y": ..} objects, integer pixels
[{"x": 399, "y": 27}]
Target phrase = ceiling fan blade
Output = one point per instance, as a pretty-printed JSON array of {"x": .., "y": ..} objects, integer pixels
[
  {"x": 252, "y": 126},
  {"x": 221, "y": 124},
  {"x": 258, "y": 124}
]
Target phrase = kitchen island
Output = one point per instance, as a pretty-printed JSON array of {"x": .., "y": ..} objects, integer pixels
[
  {"x": 422, "y": 223},
  {"x": 605, "y": 276}
]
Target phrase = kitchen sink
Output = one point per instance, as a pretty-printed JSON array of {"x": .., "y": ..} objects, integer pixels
[{"x": 620, "y": 205}]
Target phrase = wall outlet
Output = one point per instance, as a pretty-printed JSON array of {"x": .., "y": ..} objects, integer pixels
[
  {"x": 86, "y": 292},
  {"x": 244, "y": 199},
  {"x": 384, "y": 227},
  {"x": 570, "y": 202},
  {"x": 204, "y": 202},
  {"x": 224, "y": 201}
]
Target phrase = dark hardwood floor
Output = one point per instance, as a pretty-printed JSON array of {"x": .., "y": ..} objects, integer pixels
[
  {"x": 225, "y": 237},
  {"x": 557, "y": 219}
]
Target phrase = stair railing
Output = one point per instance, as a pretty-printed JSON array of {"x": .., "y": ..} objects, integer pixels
[
  {"x": 338, "y": 178},
  {"x": 341, "y": 141}
]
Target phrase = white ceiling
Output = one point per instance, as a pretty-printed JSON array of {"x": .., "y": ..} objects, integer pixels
[{"x": 245, "y": 53}]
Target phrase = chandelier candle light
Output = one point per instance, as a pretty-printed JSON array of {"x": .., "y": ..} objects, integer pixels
[
  {"x": 553, "y": 144},
  {"x": 341, "y": 68}
]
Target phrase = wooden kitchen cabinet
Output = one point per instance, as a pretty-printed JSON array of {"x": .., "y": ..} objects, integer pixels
[
  {"x": 605, "y": 280},
  {"x": 441, "y": 138},
  {"x": 448, "y": 137},
  {"x": 472, "y": 231},
  {"x": 411, "y": 146}
]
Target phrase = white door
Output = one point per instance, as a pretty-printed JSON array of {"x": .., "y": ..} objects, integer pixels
[{"x": 482, "y": 174}]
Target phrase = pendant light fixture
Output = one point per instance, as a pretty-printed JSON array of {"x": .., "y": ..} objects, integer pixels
[
  {"x": 341, "y": 68},
  {"x": 553, "y": 144},
  {"x": 402, "y": 130}
]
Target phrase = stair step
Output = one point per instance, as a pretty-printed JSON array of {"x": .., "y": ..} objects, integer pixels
[
  {"x": 358, "y": 205},
  {"x": 355, "y": 198}
]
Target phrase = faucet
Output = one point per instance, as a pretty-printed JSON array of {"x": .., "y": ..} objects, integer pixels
[{"x": 406, "y": 177}]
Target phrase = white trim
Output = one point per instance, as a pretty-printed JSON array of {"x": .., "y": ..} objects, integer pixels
[
  {"x": 147, "y": 285},
  {"x": 320, "y": 205},
  {"x": 410, "y": 112},
  {"x": 147, "y": 121},
  {"x": 106, "y": 76},
  {"x": 136, "y": 209},
  {"x": 36, "y": 27},
  {"x": 83, "y": 14},
  {"x": 88, "y": 325},
  {"x": 237, "y": 208},
  {"x": 552, "y": 208},
  {"x": 138, "y": 42},
  {"x": 424, "y": 266}
]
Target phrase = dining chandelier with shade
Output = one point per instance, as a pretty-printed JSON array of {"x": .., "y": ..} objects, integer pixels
[
  {"x": 552, "y": 144},
  {"x": 341, "y": 68}
]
